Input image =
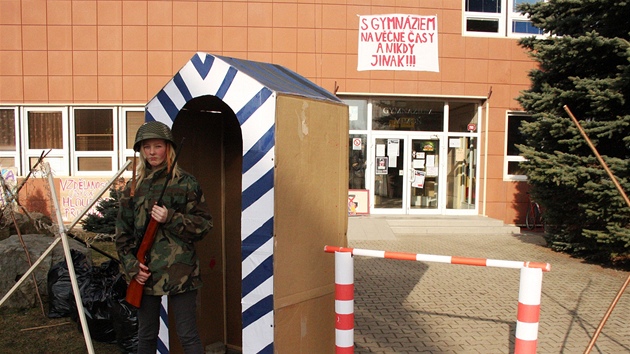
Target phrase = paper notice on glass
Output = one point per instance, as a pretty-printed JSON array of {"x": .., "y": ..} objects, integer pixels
[
  {"x": 393, "y": 146},
  {"x": 353, "y": 113},
  {"x": 430, "y": 160},
  {"x": 393, "y": 162},
  {"x": 418, "y": 179},
  {"x": 418, "y": 163},
  {"x": 432, "y": 171},
  {"x": 460, "y": 154},
  {"x": 380, "y": 149},
  {"x": 454, "y": 143}
]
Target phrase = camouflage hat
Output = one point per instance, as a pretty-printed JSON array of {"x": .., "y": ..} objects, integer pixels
[{"x": 153, "y": 130}]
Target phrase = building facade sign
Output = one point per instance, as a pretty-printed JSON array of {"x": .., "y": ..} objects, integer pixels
[{"x": 398, "y": 42}]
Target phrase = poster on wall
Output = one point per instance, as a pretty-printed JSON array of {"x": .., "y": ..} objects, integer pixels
[
  {"x": 418, "y": 179},
  {"x": 398, "y": 42},
  {"x": 381, "y": 165},
  {"x": 358, "y": 201}
]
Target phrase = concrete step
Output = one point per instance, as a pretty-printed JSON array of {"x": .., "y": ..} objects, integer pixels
[
  {"x": 440, "y": 224},
  {"x": 390, "y": 226},
  {"x": 461, "y": 230}
]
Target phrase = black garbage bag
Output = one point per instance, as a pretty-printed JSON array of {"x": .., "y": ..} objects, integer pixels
[
  {"x": 124, "y": 317},
  {"x": 95, "y": 294},
  {"x": 109, "y": 318},
  {"x": 61, "y": 301}
]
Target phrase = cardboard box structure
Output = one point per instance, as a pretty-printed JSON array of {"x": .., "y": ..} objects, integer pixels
[{"x": 269, "y": 149}]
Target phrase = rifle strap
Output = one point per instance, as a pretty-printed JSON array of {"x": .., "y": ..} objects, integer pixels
[{"x": 133, "y": 176}]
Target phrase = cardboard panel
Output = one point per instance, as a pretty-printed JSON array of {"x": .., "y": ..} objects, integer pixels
[
  {"x": 311, "y": 183},
  {"x": 305, "y": 327}
]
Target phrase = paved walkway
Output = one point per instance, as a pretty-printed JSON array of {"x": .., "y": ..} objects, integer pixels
[{"x": 418, "y": 307}]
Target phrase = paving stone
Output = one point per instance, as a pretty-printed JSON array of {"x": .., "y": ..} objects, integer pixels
[{"x": 421, "y": 307}]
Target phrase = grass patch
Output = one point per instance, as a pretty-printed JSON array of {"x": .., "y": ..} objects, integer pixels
[{"x": 30, "y": 331}]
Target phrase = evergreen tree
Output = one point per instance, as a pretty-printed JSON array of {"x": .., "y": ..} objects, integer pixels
[
  {"x": 103, "y": 220},
  {"x": 584, "y": 63}
]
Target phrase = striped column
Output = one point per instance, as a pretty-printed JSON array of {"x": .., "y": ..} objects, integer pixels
[
  {"x": 163, "y": 335},
  {"x": 528, "y": 314},
  {"x": 344, "y": 303}
]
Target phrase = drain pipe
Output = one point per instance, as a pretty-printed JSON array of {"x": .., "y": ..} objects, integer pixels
[{"x": 485, "y": 154}]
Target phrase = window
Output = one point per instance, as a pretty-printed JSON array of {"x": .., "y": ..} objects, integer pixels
[
  {"x": 461, "y": 115},
  {"x": 44, "y": 129},
  {"x": 94, "y": 132},
  {"x": 357, "y": 161},
  {"x": 408, "y": 115},
  {"x": 79, "y": 141},
  {"x": 8, "y": 146},
  {"x": 519, "y": 23},
  {"x": 512, "y": 169},
  {"x": 497, "y": 18},
  {"x": 357, "y": 114},
  {"x": 132, "y": 119}
]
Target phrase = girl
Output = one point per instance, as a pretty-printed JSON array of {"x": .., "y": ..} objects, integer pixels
[{"x": 172, "y": 267}]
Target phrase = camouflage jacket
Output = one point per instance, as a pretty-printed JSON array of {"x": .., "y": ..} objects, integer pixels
[{"x": 173, "y": 261}]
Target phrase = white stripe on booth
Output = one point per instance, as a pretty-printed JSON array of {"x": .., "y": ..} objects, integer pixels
[
  {"x": 175, "y": 94},
  {"x": 255, "y": 259},
  {"x": 258, "y": 124},
  {"x": 258, "y": 170},
  {"x": 257, "y": 214},
  {"x": 257, "y": 338}
]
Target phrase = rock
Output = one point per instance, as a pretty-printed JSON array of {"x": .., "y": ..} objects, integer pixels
[
  {"x": 13, "y": 264},
  {"x": 37, "y": 224}
]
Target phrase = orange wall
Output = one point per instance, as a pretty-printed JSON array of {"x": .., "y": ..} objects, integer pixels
[{"x": 112, "y": 51}]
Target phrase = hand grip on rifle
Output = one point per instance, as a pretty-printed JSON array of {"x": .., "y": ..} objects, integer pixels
[{"x": 135, "y": 289}]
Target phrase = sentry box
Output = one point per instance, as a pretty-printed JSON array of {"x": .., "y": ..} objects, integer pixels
[{"x": 269, "y": 148}]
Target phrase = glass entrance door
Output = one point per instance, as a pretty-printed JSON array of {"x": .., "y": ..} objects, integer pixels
[
  {"x": 406, "y": 174},
  {"x": 461, "y": 169},
  {"x": 389, "y": 174},
  {"x": 424, "y": 175}
]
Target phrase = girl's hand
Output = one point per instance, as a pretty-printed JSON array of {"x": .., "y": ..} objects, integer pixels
[
  {"x": 143, "y": 275},
  {"x": 159, "y": 213}
]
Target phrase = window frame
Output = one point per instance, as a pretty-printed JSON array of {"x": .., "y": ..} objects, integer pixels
[
  {"x": 15, "y": 152},
  {"x": 126, "y": 152},
  {"x": 76, "y": 155},
  {"x": 514, "y": 16},
  {"x": 505, "y": 18},
  {"x": 59, "y": 159},
  {"x": 512, "y": 158}
]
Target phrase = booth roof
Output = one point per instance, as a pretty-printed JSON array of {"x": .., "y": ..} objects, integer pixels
[{"x": 280, "y": 79}]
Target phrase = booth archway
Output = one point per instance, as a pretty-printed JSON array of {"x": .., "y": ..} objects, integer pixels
[{"x": 212, "y": 153}]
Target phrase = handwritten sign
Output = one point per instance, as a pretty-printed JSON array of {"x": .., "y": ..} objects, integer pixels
[
  {"x": 8, "y": 174},
  {"x": 398, "y": 42},
  {"x": 76, "y": 194}
]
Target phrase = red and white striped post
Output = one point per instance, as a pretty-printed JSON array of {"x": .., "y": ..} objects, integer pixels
[
  {"x": 529, "y": 294},
  {"x": 344, "y": 303},
  {"x": 528, "y": 314}
]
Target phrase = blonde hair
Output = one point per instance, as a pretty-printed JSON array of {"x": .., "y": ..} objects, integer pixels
[{"x": 141, "y": 169}]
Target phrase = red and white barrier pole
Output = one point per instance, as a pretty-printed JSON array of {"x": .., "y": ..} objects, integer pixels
[
  {"x": 528, "y": 314},
  {"x": 530, "y": 290},
  {"x": 344, "y": 303},
  {"x": 405, "y": 256}
]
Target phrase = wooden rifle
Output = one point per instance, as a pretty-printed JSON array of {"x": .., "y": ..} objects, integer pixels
[{"x": 135, "y": 289}]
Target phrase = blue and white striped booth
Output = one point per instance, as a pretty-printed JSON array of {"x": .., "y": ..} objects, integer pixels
[{"x": 293, "y": 197}]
